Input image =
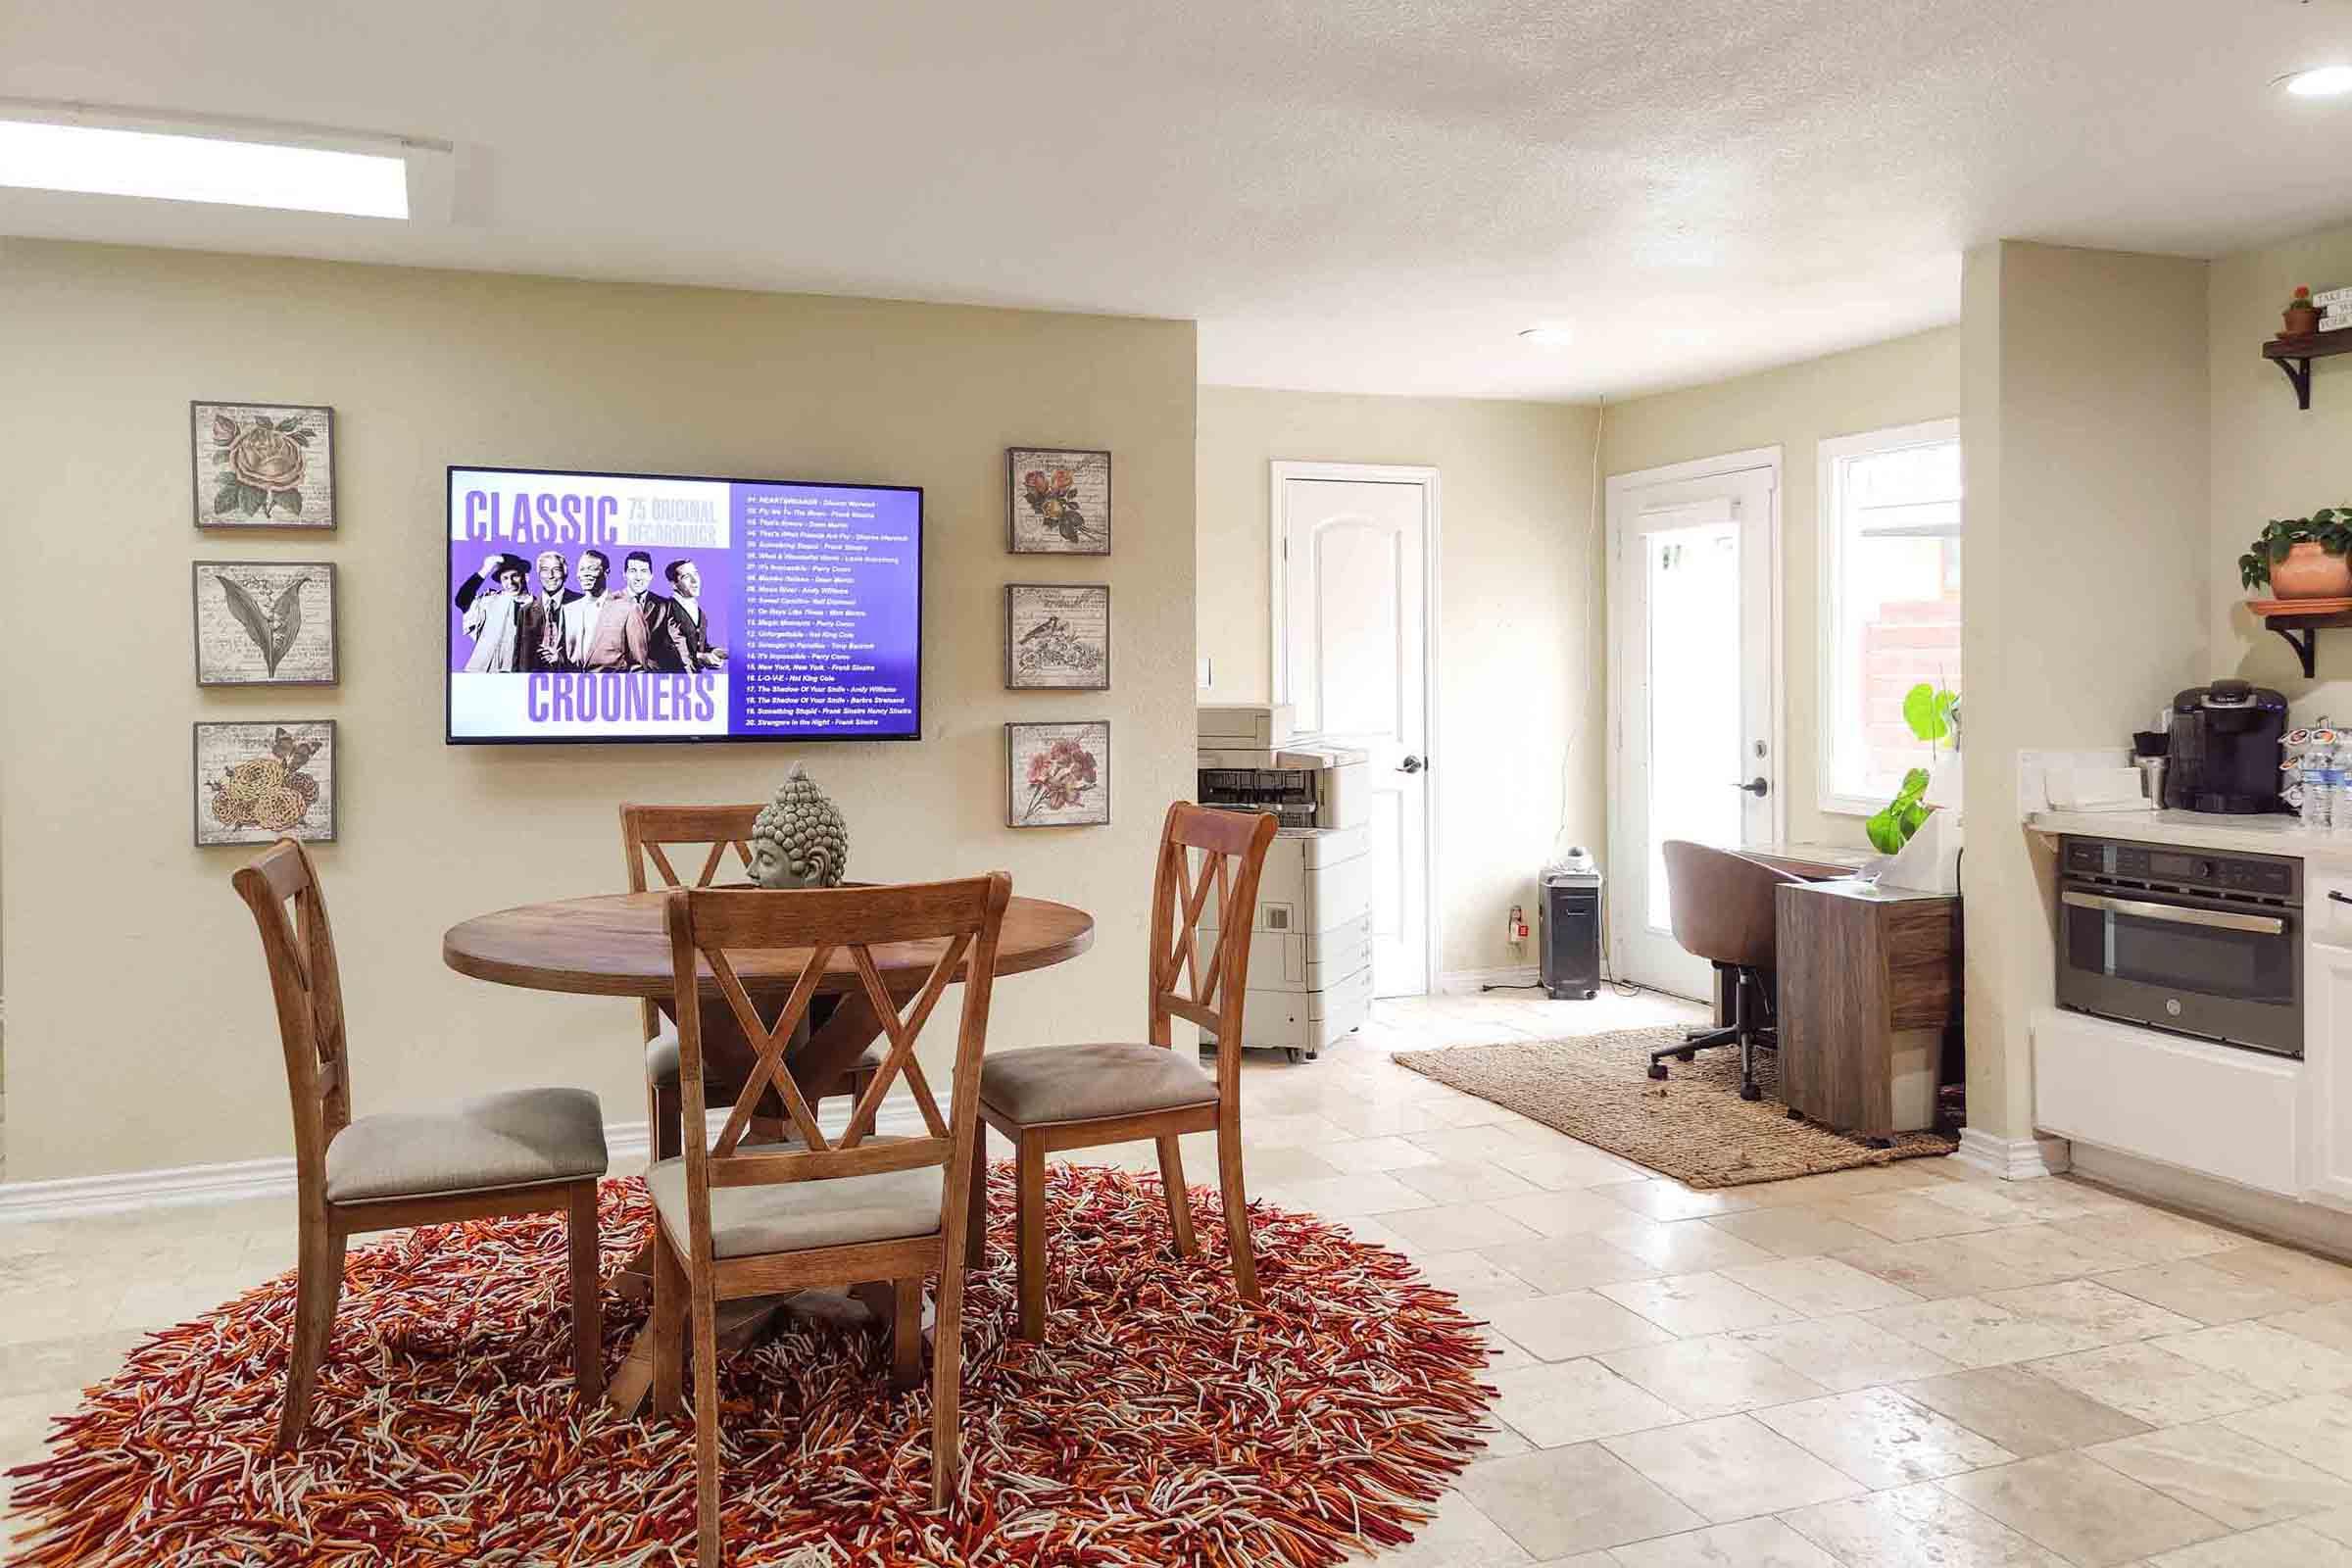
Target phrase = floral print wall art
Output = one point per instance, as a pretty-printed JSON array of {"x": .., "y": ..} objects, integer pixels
[
  {"x": 264, "y": 465},
  {"x": 1058, "y": 775}
]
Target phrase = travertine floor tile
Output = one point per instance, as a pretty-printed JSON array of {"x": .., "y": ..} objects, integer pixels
[
  {"x": 2043, "y": 1252},
  {"x": 2330, "y": 1325},
  {"x": 1970, "y": 1331},
  {"x": 1732, "y": 1467},
  {"x": 1573, "y": 1499},
  {"x": 1698, "y": 1303},
  {"x": 1795, "y": 1232},
  {"x": 1683, "y": 1245},
  {"x": 1453, "y": 1181},
  {"x": 1818, "y": 1287},
  {"x": 1671, "y": 1199},
  {"x": 1750, "y": 1543},
  {"x": 2317, "y": 1429},
  {"x": 2270, "y": 1359},
  {"x": 1453, "y": 1226},
  {"x": 2154, "y": 1385},
  {"x": 2291, "y": 1546},
  {"x": 2150, "y": 1235},
  {"x": 1561, "y": 1328},
  {"x": 2312, "y": 1280},
  {"x": 1903, "y": 1216},
  {"x": 2109, "y": 1316},
  {"x": 1935, "y": 1270},
  {"x": 2194, "y": 1288},
  {"x": 1882, "y": 1439},
  {"x": 1479, "y": 1283},
  {"x": 1578, "y": 1212},
  {"x": 1559, "y": 1264},
  {"x": 1711, "y": 1375},
  {"x": 1374, "y": 1153},
  {"x": 1554, "y": 1404},
  {"x": 1843, "y": 1354},
  {"x": 2081, "y": 1509},
  {"x": 2225, "y": 1475},
  {"x": 2021, "y": 1411},
  {"x": 1913, "y": 1527},
  {"x": 1459, "y": 1536}
]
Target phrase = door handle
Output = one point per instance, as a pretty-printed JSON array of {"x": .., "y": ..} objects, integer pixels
[
  {"x": 1755, "y": 786},
  {"x": 1411, "y": 765},
  {"x": 2335, "y": 897},
  {"x": 2177, "y": 913}
]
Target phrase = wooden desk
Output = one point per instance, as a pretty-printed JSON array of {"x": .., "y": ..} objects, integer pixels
[
  {"x": 1815, "y": 863},
  {"x": 1857, "y": 966}
]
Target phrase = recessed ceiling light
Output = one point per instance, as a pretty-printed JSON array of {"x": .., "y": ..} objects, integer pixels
[
  {"x": 66, "y": 153},
  {"x": 1548, "y": 337},
  {"x": 2320, "y": 81}
]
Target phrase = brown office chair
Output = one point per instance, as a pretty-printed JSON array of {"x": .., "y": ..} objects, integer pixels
[
  {"x": 1721, "y": 906},
  {"x": 646, "y": 832}
]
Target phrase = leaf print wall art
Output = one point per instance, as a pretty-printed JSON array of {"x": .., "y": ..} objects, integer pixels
[
  {"x": 264, "y": 464},
  {"x": 264, "y": 623},
  {"x": 1059, "y": 503}
]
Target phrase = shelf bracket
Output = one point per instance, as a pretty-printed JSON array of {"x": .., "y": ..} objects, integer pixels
[
  {"x": 2306, "y": 645},
  {"x": 2298, "y": 374}
]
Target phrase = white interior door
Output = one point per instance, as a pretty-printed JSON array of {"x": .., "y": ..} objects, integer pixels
[
  {"x": 1694, "y": 694},
  {"x": 1351, "y": 567}
]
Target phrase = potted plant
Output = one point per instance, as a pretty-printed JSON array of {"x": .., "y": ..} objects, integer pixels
[
  {"x": 2302, "y": 557},
  {"x": 1929, "y": 711},
  {"x": 2302, "y": 315}
]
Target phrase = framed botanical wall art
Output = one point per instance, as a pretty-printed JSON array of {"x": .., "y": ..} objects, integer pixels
[
  {"x": 1058, "y": 636},
  {"x": 1059, "y": 503},
  {"x": 264, "y": 464},
  {"x": 1057, "y": 776},
  {"x": 258, "y": 782},
  {"x": 265, "y": 622}
]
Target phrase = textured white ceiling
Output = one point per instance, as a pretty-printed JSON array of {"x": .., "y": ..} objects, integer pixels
[{"x": 1348, "y": 196}]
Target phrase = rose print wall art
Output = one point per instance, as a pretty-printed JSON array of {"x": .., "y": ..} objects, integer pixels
[
  {"x": 1058, "y": 775},
  {"x": 264, "y": 465},
  {"x": 1059, "y": 503}
]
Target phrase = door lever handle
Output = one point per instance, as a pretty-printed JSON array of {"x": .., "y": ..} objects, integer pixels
[
  {"x": 1755, "y": 786},
  {"x": 1411, "y": 765}
]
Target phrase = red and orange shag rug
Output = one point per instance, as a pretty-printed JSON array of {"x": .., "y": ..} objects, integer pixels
[{"x": 1163, "y": 1422}]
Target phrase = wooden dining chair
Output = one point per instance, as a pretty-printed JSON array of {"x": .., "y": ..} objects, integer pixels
[
  {"x": 1052, "y": 1098},
  {"x": 647, "y": 834},
  {"x": 738, "y": 1219},
  {"x": 522, "y": 1151}
]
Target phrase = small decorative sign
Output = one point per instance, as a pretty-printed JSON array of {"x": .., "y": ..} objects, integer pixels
[
  {"x": 1057, "y": 637},
  {"x": 1057, "y": 776},
  {"x": 265, "y": 622},
  {"x": 258, "y": 783},
  {"x": 264, "y": 464},
  {"x": 1059, "y": 503}
]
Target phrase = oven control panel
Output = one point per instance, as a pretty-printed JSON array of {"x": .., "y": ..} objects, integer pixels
[{"x": 2261, "y": 875}]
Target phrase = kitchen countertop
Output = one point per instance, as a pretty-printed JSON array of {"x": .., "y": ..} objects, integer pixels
[{"x": 2276, "y": 833}]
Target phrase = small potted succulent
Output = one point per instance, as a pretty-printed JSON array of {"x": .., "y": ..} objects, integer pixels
[
  {"x": 2302, "y": 315},
  {"x": 2302, "y": 557}
]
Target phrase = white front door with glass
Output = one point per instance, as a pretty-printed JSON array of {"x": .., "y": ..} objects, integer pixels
[{"x": 1692, "y": 691}]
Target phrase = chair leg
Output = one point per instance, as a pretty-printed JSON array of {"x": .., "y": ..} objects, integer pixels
[
  {"x": 906, "y": 1333},
  {"x": 662, "y": 1106},
  {"x": 1237, "y": 1212},
  {"x": 947, "y": 1389},
  {"x": 1180, "y": 1203},
  {"x": 587, "y": 1306},
  {"x": 706, "y": 1428},
  {"x": 975, "y": 1235},
  {"x": 318, "y": 1285},
  {"x": 1029, "y": 1159},
  {"x": 668, "y": 1326}
]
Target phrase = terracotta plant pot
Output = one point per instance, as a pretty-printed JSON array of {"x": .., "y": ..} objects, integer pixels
[
  {"x": 2309, "y": 571},
  {"x": 2301, "y": 322}
]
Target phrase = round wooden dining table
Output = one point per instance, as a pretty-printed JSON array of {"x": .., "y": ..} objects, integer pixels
[{"x": 617, "y": 945}]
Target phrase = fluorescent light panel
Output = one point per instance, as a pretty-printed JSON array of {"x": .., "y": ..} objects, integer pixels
[{"x": 102, "y": 161}]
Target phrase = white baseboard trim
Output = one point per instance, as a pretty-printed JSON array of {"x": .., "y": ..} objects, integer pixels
[
  {"x": 1469, "y": 982},
  {"x": 2012, "y": 1160},
  {"x": 2208, "y": 1198},
  {"x": 65, "y": 1197}
]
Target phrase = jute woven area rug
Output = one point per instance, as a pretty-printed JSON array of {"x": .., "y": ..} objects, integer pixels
[{"x": 1694, "y": 1127}]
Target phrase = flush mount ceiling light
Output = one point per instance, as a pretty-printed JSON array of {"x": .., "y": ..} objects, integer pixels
[
  {"x": 2320, "y": 81},
  {"x": 1548, "y": 336},
  {"x": 96, "y": 151}
]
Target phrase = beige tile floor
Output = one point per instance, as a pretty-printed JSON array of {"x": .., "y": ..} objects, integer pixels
[{"x": 1876, "y": 1368}]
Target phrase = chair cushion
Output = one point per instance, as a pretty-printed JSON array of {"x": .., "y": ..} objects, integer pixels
[
  {"x": 661, "y": 1057},
  {"x": 1080, "y": 1083},
  {"x": 791, "y": 1216},
  {"x": 522, "y": 1138}
]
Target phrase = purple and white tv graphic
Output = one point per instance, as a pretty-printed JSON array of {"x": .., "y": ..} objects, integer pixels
[{"x": 592, "y": 606}]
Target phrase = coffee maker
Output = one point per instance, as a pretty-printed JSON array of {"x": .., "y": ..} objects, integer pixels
[{"x": 2224, "y": 749}]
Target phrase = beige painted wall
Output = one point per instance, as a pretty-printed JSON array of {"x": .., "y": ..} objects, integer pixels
[
  {"x": 1520, "y": 659},
  {"x": 2088, "y": 472},
  {"x": 1796, "y": 407},
  {"x": 2272, "y": 460},
  {"x": 139, "y": 1024}
]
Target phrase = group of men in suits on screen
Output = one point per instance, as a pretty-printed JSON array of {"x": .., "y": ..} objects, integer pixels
[{"x": 523, "y": 624}]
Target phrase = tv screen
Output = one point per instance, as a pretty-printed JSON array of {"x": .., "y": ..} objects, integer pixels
[{"x": 632, "y": 607}]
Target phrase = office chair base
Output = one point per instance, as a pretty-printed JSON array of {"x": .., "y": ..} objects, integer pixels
[{"x": 1795, "y": 1114}]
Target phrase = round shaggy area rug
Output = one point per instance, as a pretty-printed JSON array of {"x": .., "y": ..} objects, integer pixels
[{"x": 1163, "y": 1421}]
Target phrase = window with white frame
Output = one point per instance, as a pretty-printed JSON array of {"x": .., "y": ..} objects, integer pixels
[{"x": 1890, "y": 603}]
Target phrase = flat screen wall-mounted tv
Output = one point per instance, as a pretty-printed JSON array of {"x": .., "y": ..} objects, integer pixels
[{"x": 636, "y": 606}]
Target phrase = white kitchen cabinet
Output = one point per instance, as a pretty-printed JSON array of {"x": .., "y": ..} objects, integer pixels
[{"x": 2327, "y": 1072}]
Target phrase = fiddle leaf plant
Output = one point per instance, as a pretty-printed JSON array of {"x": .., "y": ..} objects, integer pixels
[
  {"x": 2330, "y": 527},
  {"x": 1929, "y": 711}
]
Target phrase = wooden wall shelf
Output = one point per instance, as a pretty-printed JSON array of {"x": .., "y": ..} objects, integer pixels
[
  {"x": 2293, "y": 356},
  {"x": 2299, "y": 621}
]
